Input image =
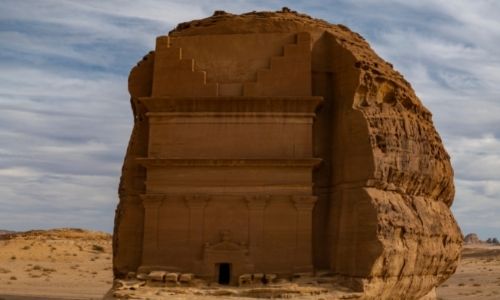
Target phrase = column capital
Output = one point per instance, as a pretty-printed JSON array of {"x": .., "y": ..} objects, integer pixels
[
  {"x": 304, "y": 202},
  {"x": 152, "y": 200},
  {"x": 257, "y": 202},
  {"x": 196, "y": 201}
]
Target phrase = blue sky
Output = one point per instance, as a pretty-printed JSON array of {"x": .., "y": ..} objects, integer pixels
[{"x": 65, "y": 114}]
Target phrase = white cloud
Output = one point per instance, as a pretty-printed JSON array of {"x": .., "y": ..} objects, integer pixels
[{"x": 65, "y": 109}]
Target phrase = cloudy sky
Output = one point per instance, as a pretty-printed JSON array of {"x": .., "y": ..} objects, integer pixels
[{"x": 65, "y": 116}]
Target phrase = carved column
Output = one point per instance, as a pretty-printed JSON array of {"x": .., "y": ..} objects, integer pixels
[
  {"x": 151, "y": 205},
  {"x": 196, "y": 204},
  {"x": 303, "y": 248},
  {"x": 256, "y": 207}
]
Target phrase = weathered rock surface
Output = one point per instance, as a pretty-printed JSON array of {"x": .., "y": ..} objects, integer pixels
[
  {"x": 472, "y": 238},
  {"x": 382, "y": 220}
]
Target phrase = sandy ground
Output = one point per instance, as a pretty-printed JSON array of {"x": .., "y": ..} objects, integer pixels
[
  {"x": 63, "y": 263},
  {"x": 477, "y": 277},
  {"x": 76, "y": 264}
]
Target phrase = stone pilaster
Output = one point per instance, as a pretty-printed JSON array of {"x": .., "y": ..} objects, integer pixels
[
  {"x": 256, "y": 207},
  {"x": 152, "y": 204},
  {"x": 196, "y": 204},
  {"x": 303, "y": 248}
]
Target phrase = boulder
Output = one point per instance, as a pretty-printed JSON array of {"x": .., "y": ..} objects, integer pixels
[
  {"x": 472, "y": 238},
  {"x": 172, "y": 277},
  {"x": 157, "y": 275},
  {"x": 186, "y": 277},
  {"x": 383, "y": 181}
]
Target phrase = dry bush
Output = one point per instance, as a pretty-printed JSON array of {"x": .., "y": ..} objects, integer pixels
[
  {"x": 48, "y": 270},
  {"x": 98, "y": 248}
]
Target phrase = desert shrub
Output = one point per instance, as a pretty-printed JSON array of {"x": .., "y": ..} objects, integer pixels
[
  {"x": 13, "y": 278},
  {"x": 49, "y": 270},
  {"x": 13, "y": 257},
  {"x": 25, "y": 248},
  {"x": 98, "y": 248}
]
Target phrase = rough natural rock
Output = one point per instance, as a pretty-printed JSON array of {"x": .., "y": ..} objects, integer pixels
[
  {"x": 368, "y": 192},
  {"x": 472, "y": 238},
  {"x": 157, "y": 275},
  {"x": 186, "y": 277}
]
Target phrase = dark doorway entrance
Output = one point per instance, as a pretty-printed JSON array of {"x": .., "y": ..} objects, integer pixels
[{"x": 224, "y": 273}]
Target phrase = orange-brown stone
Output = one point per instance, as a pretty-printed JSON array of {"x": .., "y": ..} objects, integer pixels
[{"x": 277, "y": 143}]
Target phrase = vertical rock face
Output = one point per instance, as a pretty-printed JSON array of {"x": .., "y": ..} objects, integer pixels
[{"x": 380, "y": 197}]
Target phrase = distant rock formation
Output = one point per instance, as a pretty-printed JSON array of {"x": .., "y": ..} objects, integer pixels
[
  {"x": 472, "y": 238},
  {"x": 492, "y": 241},
  {"x": 4, "y": 234},
  {"x": 272, "y": 142},
  {"x": 6, "y": 231}
]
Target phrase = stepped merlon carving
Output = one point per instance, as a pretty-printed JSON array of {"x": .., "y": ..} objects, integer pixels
[
  {"x": 175, "y": 76},
  {"x": 288, "y": 75}
]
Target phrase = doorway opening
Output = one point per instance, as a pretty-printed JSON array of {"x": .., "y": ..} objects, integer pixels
[{"x": 224, "y": 273}]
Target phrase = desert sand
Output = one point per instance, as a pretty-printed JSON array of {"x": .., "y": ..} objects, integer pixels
[
  {"x": 59, "y": 263},
  {"x": 477, "y": 276},
  {"x": 76, "y": 264}
]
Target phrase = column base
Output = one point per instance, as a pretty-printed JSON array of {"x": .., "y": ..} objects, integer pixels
[{"x": 303, "y": 270}]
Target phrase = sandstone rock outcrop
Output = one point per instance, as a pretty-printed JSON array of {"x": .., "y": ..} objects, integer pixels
[
  {"x": 472, "y": 238},
  {"x": 357, "y": 163}
]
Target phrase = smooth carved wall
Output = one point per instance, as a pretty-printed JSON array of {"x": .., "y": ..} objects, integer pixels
[
  {"x": 228, "y": 168},
  {"x": 296, "y": 120}
]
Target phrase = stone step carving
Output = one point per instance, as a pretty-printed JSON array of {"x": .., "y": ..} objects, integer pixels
[
  {"x": 288, "y": 75},
  {"x": 176, "y": 76}
]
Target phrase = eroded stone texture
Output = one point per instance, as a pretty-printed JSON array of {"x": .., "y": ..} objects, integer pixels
[{"x": 279, "y": 143}]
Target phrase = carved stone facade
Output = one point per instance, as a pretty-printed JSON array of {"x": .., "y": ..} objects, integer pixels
[{"x": 276, "y": 143}]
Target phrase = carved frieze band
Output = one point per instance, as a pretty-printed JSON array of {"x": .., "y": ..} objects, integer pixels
[
  {"x": 300, "y": 104},
  {"x": 254, "y": 202},
  {"x": 192, "y": 201}
]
